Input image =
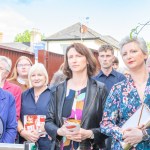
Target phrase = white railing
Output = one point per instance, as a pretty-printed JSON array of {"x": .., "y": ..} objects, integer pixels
[{"x": 4, "y": 146}]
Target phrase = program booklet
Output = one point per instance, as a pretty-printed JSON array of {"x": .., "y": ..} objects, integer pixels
[
  {"x": 133, "y": 121},
  {"x": 35, "y": 122}
]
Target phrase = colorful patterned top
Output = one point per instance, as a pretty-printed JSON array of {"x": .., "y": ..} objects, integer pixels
[
  {"x": 72, "y": 109},
  {"x": 121, "y": 103}
]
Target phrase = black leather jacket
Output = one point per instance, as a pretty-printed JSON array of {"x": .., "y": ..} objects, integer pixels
[{"x": 92, "y": 111}]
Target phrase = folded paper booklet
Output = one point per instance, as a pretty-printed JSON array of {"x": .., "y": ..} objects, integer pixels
[
  {"x": 72, "y": 126},
  {"x": 35, "y": 122},
  {"x": 133, "y": 121}
]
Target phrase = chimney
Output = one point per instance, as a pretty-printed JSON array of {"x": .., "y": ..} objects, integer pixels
[
  {"x": 83, "y": 29},
  {"x": 1, "y": 37},
  {"x": 35, "y": 36}
]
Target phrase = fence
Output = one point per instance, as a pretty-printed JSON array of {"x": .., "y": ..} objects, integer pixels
[
  {"x": 51, "y": 61},
  {"x": 14, "y": 54}
]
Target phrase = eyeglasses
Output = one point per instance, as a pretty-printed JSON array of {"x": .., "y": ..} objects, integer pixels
[{"x": 23, "y": 65}]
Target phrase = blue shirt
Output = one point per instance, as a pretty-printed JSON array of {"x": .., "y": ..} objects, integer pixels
[
  {"x": 8, "y": 116},
  {"x": 28, "y": 105},
  {"x": 113, "y": 78}
]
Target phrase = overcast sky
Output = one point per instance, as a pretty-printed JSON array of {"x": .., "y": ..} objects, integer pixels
[{"x": 107, "y": 17}]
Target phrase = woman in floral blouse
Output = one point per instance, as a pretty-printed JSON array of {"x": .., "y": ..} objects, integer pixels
[{"x": 127, "y": 96}]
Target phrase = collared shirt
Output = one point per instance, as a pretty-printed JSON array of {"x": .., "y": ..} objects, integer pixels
[
  {"x": 30, "y": 107},
  {"x": 113, "y": 78},
  {"x": 122, "y": 102}
]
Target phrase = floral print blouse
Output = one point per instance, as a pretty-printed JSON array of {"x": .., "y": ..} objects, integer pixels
[{"x": 122, "y": 102}]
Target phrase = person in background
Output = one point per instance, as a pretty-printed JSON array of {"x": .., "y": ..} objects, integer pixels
[
  {"x": 126, "y": 72},
  {"x": 58, "y": 76},
  {"x": 148, "y": 64},
  {"x": 19, "y": 75},
  {"x": 127, "y": 96},
  {"x": 79, "y": 98},
  {"x": 35, "y": 101},
  {"x": 107, "y": 74},
  {"x": 115, "y": 63},
  {"x": 8, "y": 125},
  {"x": 5, "y": 65}
]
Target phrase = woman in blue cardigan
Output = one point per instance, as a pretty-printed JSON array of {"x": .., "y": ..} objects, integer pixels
[{"x": 8, "y": 125}]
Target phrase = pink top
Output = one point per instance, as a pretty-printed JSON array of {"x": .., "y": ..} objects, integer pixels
[{"x": 16, "y": 91}]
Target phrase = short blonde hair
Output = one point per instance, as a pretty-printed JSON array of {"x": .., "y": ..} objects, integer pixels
[
  {"x": 138, "y": 40},
  {"x": 40, "y": 67}
]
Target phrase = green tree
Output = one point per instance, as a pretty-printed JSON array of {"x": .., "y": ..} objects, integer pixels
[{"x": 23, "y": 37}]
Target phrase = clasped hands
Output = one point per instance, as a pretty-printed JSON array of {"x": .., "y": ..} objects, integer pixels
[
  {"x": 32, "y": 136},
  {"x": 75, "y": 135},
  {"x": 133, "y": 136}
]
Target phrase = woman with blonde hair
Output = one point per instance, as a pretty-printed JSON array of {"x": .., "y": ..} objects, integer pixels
[
  {"x": 20, "y": 71},
  {"x": 126, "y": 97},
  {"x": 34, "y": 104}
]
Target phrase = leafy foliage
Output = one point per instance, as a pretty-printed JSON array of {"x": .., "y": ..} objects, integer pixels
[
  {"x": 138, "y": 29},
  {"x": 135, "y": 32},
  {"x": 23, "y": 37}
]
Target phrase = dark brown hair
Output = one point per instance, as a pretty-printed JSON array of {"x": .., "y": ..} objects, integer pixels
[
  {"x": 116, "y": 60},
  {"x": 83, "y": 50}
]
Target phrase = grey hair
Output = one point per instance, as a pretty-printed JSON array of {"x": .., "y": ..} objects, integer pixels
[
  {"x": 41, "y": 68},
  {"x": 7, "y": 61},
  {"x": 138, "y": 40}
]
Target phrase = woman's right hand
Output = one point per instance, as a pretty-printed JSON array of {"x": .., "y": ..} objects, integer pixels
[
  {"x": 63, "y": 131},
  {"x": 32, "y": 136}
]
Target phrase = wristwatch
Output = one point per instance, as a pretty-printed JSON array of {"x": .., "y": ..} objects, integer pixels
[{"x": 145, "y": 135}]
